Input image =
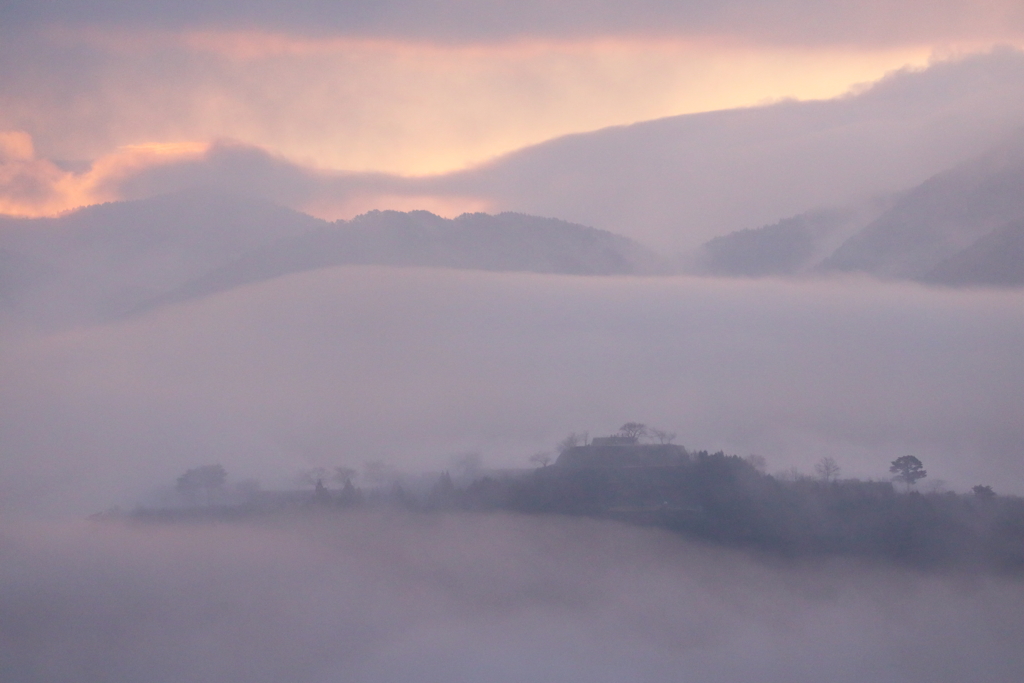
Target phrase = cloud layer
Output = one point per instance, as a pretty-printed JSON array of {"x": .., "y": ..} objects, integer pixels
[
  {"x": 350, "y": 365},
  {"x": 671, "y": 183},
  {"x": 415, "y": 88},
  {"x": 380, "y": 105},
  {"x": 375, "y": 598},
  {"x": 859, "y": 21}
]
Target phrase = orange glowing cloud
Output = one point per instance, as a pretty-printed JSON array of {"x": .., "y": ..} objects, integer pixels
[
  {"x": 416, "y": 107},
  {"x": 30, "y": 186},
  {"x": 370, "y": 105}
]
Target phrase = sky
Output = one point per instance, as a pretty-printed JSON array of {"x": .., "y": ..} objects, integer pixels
[
  {"x": 94, "y": 91},
  {"x": 550, "y": 108}
]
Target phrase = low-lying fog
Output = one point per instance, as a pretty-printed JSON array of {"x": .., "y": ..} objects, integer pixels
[
  {"x": 408, "y": 367},
  {"x": 475, "y": 598}
]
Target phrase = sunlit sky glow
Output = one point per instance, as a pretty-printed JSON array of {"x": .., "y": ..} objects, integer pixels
[{"x": 99, "y": 90}]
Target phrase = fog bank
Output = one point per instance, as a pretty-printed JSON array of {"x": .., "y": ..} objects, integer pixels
[
  {"x": 352, "y": 365},
  {"x": 474, "y": 598}
]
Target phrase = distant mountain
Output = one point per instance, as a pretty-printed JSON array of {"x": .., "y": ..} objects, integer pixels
[
  {"x": 783, "y": 248},
  {"x": 941, "y": 217},
  {"x": 478, "y": 241},
  {"x": 959, "y": 227},
  {"x": 108, "y": 260},
  {"x": 210, "y": 225},
  {"x": 675, "y": 183},
  {"x": 997, "y": 259},
  {"x": 105, "y": 259}
]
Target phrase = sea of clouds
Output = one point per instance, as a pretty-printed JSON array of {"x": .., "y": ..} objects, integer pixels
[
  {"x": 484, "y": 598},
  {"x": 345, "y": 366}
]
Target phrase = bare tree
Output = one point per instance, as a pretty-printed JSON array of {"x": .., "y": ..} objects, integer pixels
[
  {"x": 791, "y": 474},
  {"x": 543, "y": 458},
  {"x": 633, "y": 430},
  {"x": 662, "y": 436},
  {"x": 572, "y": 441},
  {"x": 828, "y": 469}
]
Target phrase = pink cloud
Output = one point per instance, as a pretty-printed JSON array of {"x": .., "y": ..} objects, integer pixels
[{"x": 30, "y": 186}]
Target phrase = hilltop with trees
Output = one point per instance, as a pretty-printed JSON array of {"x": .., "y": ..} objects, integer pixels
[{"x": 638, "y": 476}]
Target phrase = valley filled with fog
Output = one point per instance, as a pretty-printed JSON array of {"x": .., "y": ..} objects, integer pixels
[
  {"x": 414, "y": 341},
  {"x": 410, "y": 366},
  {"x": 148, "y": 339},
  {"x": 396, "y": 597}
]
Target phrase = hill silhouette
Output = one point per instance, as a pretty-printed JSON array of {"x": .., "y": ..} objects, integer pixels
[
  {"x": 478, "y": 241},
  {"x": 119, "y": 258},
  {"x": 996, "y": 259}
]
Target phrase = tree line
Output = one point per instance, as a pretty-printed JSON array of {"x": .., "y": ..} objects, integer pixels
[{"x": 715, "y": 498}]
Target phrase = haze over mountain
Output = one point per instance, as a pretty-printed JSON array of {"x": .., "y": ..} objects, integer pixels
[
  {"x": 676, "y": 182},
  {"x": 506, "y": 242},
  {"x": 956, "y": 228},
  {"x": 123, "y": 257},
  {"x": 400, "y": 237},
  {"x": 942, "y": 216},
  {"x": 686, "y": 179},
  {"x": 673, "y": 183},
  {"x": 118, "y": 258},
  {"x": 995, "y": 259},
  {"x": 789, "y": 247},
  {"x": 98, "y": 260}
]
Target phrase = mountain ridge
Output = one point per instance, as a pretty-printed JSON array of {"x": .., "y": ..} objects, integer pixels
[
  {"x": 505, "y": 242},
  {"x": 942, "y": 231},
  {"x": 127, "y": 257},
  {"x": 940, "y": 217},
  {"x": 671, "y": 182},
  {"x": 995, "y": 260}
]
